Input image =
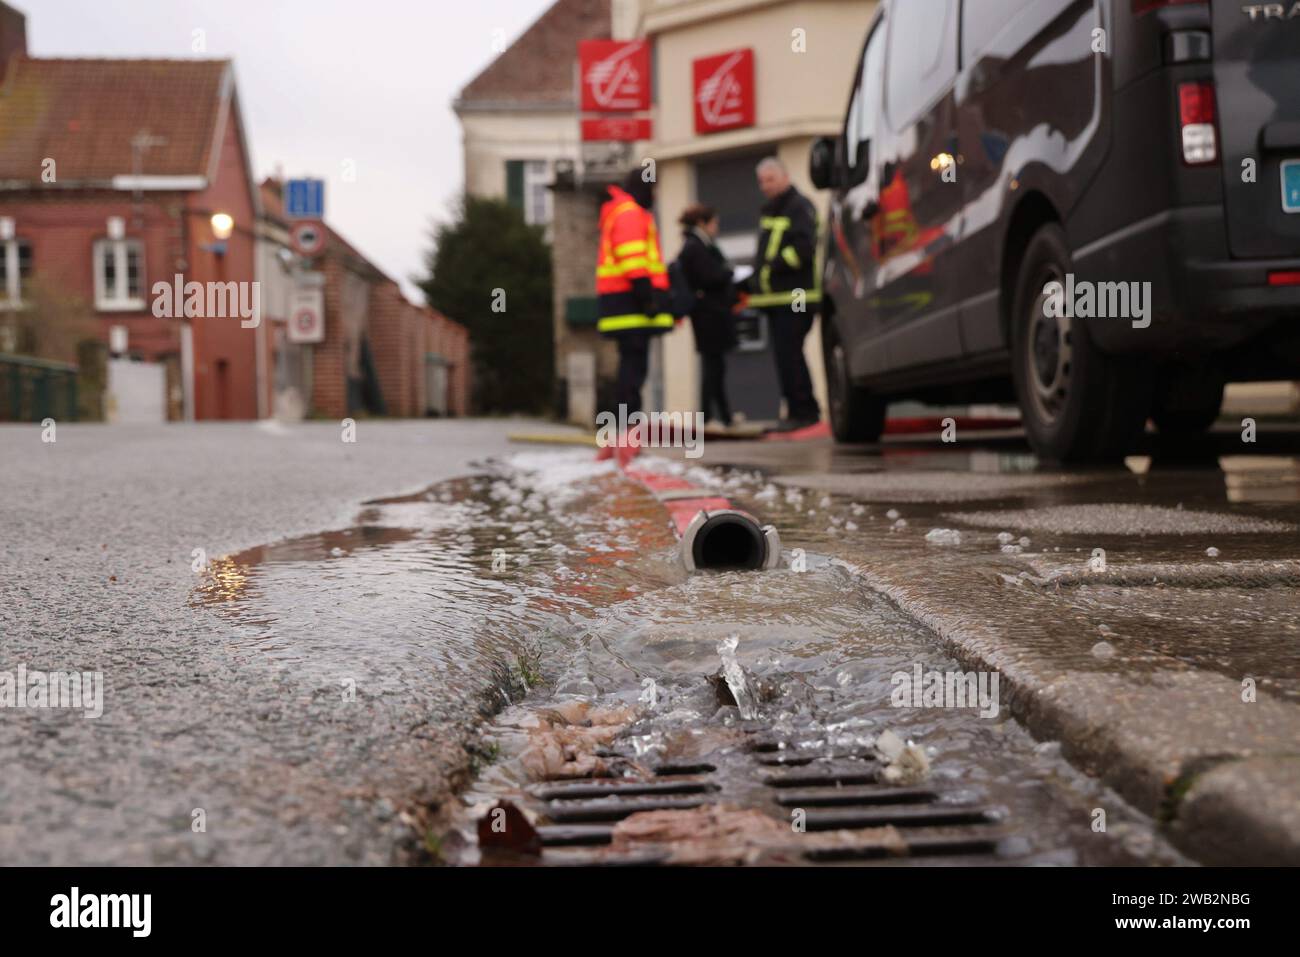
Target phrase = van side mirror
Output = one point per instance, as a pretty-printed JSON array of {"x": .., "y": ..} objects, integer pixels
[{"x": 823, "y": 163}]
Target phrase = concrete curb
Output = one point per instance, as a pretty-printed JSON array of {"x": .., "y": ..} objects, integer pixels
[
  {"x": 1220, "y": 776},
  {"x": 1260, "y": 791}
]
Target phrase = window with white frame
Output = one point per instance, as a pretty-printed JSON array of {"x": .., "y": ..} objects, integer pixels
[
  {"x": 537, "y": 192},
  {"x": 15, "y": 271},
  {"x": 119, "y": 274}
]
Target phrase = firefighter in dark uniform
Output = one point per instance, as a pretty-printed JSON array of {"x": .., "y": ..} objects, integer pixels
[
  {"x": 631, "y": 283},
  {"x": 786, "y": 287}
]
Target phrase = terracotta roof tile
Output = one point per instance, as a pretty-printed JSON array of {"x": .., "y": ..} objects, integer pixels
[
  {"x": 84, "y": 113},
  {"x": 538, "y": 68}
]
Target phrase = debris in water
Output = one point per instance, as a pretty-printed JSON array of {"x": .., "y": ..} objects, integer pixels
[
  {"x": 505, "y": 829},
  {"x": 727, "y": 835},
  {"x": 562, "y": 741},
  {"x": 1005, "y": 538},
  {"x": 892, "y": 514},
  {"x": 649, "y": 693},
  {"x": 1212, "y": 552},
  {"x": 905, "y": 763},
  {"x": 1103, "y": 650},
  {"x": 943, "y": 536}
]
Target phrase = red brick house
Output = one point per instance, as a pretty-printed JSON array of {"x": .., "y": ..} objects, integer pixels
[
  {"x": 111, "y": 174},
  {"x": 380, "y": 354}
]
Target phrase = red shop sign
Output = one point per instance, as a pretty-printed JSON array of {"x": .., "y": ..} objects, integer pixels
[
  {"x": 623, "y": 129},
  {"x": 614, "y": 75},
  {"x": 724, "y": 91}
]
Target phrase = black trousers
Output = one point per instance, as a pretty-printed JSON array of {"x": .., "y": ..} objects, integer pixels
[
  {"x": 713, "y": 386},
  {"x": 633, "y": 367},
  {"x": 789, "y": 329}
]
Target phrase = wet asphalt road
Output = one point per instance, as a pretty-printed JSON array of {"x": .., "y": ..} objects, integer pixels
[
  {"x": 95, "y": 573},
  {"x": 1136, "y": 670}
]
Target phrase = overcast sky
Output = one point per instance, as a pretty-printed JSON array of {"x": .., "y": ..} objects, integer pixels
[{"x": 320, "y": 82}]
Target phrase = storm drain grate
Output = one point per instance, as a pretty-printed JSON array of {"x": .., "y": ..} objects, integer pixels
[
  {"x": 607, "y": 787},
  {"x": 833, "y": 790}
]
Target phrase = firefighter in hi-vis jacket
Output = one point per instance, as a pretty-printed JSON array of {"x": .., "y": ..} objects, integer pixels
[
  {"x": 631, "y": 283},
  {"x": 788, "y": 287}
]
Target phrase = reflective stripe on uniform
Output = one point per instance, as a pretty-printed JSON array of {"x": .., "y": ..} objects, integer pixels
[
  {"x": 783, "y": 298},
  {"x": 629, "y": 254},
  {"x": 790, "y": 256},
  {"x": 778, "y": 225},
  {"x": 634, "y": 321},
  {"x": 653, "y": 268}
]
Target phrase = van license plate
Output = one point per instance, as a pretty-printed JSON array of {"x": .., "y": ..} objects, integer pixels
[{"x": 1291, "y": 186}]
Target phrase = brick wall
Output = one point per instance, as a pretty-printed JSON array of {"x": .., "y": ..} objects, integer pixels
[
  {"x": 575, "y": 243},
  {"x": 329, "y": 396},
  {"x": 221, "y": 342},
  {"x": 390, "y": 342},
  {"x": 13, "y": 35},
  {"x": 402, "y": 336},
  {"x": 62, "y": 230},
  {"x": 451, "y": 341}
]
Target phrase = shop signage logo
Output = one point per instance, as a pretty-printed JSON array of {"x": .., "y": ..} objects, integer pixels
[
  {"x": 615, "y": 75},
  {"x": 724, "y": 91}
]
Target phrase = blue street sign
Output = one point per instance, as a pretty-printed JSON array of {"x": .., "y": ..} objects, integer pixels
[{"x": 304, "y": 199}]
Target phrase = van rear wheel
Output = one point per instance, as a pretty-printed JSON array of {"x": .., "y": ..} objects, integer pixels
[
  {"x": 1077, "y": 403},
  {"x": 857, "y": 415}
]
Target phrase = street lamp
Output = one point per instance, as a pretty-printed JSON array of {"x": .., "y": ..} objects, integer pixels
[{"x": 223, "y": 224}]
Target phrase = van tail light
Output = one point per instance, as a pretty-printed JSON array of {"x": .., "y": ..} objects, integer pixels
[
  {"x": 1146, "y": 6},
  {"x": 1196, "y": 116},
  {"x": 1289, "y": 277}
]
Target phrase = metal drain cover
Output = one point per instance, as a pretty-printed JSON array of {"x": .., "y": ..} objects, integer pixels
[{"x": 830, "y": 789}]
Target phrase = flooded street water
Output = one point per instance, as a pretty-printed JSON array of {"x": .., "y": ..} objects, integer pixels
[{"x": 546, "y": 584}]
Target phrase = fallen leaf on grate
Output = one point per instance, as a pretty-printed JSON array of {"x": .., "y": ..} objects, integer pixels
[{"x": 727, "y": 835}]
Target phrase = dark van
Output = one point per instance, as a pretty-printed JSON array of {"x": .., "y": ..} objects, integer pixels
[{"x": 1092, "y": 205}]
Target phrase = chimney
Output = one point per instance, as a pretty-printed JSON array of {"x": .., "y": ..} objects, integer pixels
[{"x": 13, "y": 36}]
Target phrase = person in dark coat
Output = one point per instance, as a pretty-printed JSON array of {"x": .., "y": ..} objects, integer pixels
[
  {"x": 785, "y": 285},
  {"x": 707, "y": 271}
]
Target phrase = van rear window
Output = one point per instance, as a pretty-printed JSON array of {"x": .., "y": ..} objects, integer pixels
[
  {"x": 982, "y": 20},
  {"x": 922, "y": 56}
]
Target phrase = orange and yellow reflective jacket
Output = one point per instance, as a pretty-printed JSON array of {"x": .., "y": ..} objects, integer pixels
[{"x": 631, "y": 277}]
